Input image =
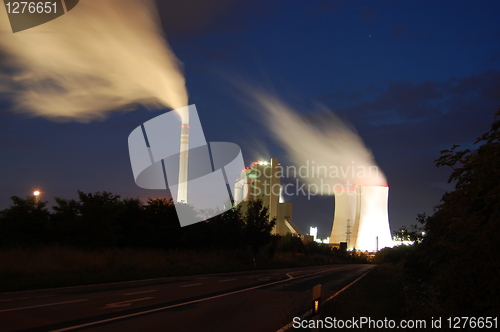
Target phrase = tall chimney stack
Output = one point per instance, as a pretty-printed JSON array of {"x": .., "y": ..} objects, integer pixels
[{"x": 182, "y": 190}]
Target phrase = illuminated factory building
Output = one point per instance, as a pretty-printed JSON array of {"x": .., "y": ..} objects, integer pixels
[{"x": 262, "y": 181}]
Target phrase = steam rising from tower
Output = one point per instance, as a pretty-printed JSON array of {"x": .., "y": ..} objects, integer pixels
[
  {"x": 324, "y": 140},
  {"x": 361, "y": 195},
  {"x": 102, "y": 56}
]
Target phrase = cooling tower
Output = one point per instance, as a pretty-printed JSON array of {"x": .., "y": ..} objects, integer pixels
[
  {"x": 182, "y": 190},
  {"x": 343, "y": 229},
  {"x": 372, "y": 219}
]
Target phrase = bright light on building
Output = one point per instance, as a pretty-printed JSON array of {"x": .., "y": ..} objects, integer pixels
[{"x": 313, "y": 231}]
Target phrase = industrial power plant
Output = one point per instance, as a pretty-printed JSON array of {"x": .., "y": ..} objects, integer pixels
[
  {"x": 261, "y": 181},
  {"x": 360, "y": 220}
]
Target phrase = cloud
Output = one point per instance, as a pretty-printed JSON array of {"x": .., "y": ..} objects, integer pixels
[
  {"x": 187, "y": 18},
  {"x": 9, "y": 142},
  {"x": 407, "y": 124},
  {"x": 403, "y": 31},
  {"x": 344, "y": 95},
  {"x": 405, "y": 102},
  {"x": 370, "y": 15}
]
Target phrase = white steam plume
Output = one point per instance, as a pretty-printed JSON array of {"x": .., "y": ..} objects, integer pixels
[
  {"x": 101, "y": 56},
  {"x": 334, "y": 155}
]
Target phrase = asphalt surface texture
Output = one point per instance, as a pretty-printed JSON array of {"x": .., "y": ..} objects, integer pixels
[{"x": 259, "y": 300}]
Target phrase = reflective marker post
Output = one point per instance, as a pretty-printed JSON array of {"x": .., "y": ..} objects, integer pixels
[
  {"x": 316, "y": 304},
  {"x": 316, "y": 300}
]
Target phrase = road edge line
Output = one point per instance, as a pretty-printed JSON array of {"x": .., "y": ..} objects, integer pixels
[
  {"x": 140, "y": 313},
  {"x": 289, "y": 325}
]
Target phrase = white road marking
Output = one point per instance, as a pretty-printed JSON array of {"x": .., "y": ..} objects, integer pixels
[
  {"x": 289, "y": 325},
  {"x": 186, "y": 303},
  {"x": 149, "y": 291},
  {"x": 192, "y": 285},
  {"x": 29, "y": 297},
  {"x": 343, "y": 289},
  {"x": 88, "y": 286},
  {"x": 125, "y": 303},
  {"x": 42, "y": 305},
  {"x": 226, "y": 280}
]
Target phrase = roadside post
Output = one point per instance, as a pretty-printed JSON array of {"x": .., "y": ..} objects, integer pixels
[{"x": 316, "y": 303}]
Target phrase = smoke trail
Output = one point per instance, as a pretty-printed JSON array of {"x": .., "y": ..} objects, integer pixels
[
  {"x": 102, "y": 56},
  {"x": 333, "y": 153}
]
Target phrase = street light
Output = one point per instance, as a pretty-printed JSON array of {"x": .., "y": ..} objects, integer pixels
[{"x": 37, "y": 195}]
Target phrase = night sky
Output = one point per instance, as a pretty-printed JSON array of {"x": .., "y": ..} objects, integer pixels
[{"x": 413, "y": 78}]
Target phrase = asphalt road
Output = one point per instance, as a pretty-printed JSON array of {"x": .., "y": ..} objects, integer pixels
[{"x": 263, "y": 300}]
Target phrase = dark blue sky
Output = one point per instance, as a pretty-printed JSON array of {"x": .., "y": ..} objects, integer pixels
[{"x": 412, "y": 77}]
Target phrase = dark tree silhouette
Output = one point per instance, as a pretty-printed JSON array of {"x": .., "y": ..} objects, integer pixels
[
  {"x": 164, "y": 230},
  {"x": 24, "y": 223},
  {"x": 457, "y": 261},
  {"x": 257, "y": 226},
  {"x": 227, "y": 230},
  {"x": 66, "y": 222}
]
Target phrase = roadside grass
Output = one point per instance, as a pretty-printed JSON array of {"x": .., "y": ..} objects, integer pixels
[
  {"x": 57, "y": 266},
  {"x": 378, "y": 295}
]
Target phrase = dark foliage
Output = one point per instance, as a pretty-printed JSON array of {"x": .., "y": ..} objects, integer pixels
[
  {"x": 24, "y": 223},
  {"x": 257, "y": 227},
  {"x": 394, "y": 255},
  {"x": 103, "y": 220},
  {"x": 456, "y": 269}
]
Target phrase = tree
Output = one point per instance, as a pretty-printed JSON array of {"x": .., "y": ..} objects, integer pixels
[
  {"x": 164, "y": 230},
  {"x": 291, "y": 243},
  {"x": 99, "y": 213},
  {"x": 227, "y": 230},
  {"x": 257, "y": 226},
  {"x": 24, "y": 223},
  {"x": 66, "y": 224},
  {"x": 414, "y": 233},
  {"x": 458, "y": 258},
  {"x": 133, "y": 228}
]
